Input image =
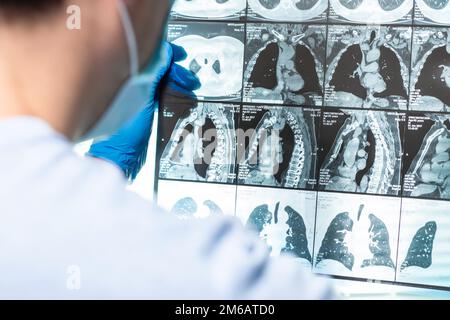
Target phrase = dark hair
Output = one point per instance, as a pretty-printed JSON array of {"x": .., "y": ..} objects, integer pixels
[{"x": 17, "y": 8}]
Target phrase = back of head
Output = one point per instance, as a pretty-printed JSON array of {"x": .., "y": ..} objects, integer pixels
[
  {"x": 69, "y": 76},
  {"x": 14, "y": 9}
]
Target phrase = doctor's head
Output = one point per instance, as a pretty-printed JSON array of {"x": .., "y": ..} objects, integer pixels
[{"x": 65, "y": 60}]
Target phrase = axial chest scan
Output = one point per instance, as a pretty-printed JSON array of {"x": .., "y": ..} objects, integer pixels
[
  {"x": 372, "y": 11},
  {"x": 208, "y": 9},
  {"x": 288, "y": 10}
]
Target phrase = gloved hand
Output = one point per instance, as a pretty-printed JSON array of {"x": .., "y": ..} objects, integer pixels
[{"x": 128, "y": 147}]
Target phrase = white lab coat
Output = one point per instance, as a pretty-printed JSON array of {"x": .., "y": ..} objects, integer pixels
[{"x": 70, "y": 230}]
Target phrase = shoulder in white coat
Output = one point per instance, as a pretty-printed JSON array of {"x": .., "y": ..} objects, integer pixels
[{"x": 70, "y": 230}]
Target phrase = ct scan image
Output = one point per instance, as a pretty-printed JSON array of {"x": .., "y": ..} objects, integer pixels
[
  {"x": 209, "y": 9},
  {"x": 284, "y": 219},
  {"x": 372, "y": 11},
  {"x": 424, "y": 243},
  {"x": 430, "y": 74},
  {"x": 357, "y": 236},
  {"x": 215, "y": 53},
  {"x": 361, "y": 151},
  {"x": 278, "y": 147},
  {"x": 368, "y": 67},
  {"x": 432, "y": 12},
  {"x": 197, "y": 142},
  {"x": 284, "y": 64},
  {"x": 427, "y": 158},
  {"x": 189, "y": 200},
  {"x": 288, "y": 10}
]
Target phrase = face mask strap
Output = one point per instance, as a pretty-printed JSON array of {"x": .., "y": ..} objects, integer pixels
[{"x": 130, "y": 37}]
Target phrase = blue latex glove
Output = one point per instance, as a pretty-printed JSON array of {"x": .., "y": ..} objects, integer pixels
[{"x": 128, "y": 147}]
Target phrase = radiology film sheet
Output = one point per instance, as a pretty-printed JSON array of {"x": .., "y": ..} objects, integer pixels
[
  {"x": 361, "y": 151},
  {"x": 189, "y": 200},
  {"x": 209, "y": 9},
  {"x": 372, "y": 11},
  {"x": 357, "y": 235},
  {"x": 198, "y": 142},
  {"x": 368, "y": 66},
  {"x": 430, "y": 74},
  {"x": 427, "y": 161},
  {"x": 424, "y": 242},
  {"x": 284, "y": 64},
  {"x": 279, "y": 146},
  {"x": 322, "y": 125},
  {"x": 215, "y": 53},
  {"x": 283, "y": 218}
]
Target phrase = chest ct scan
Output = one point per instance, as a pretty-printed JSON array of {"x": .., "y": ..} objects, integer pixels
[{"x": 323, "y": 125}]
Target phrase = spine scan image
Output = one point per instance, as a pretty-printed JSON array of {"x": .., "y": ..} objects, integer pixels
[
  {"x": 366, "y": 154},
  {"x": 206, "y": 129},
  {"x": 282, "y": 148},
  {"x": 284, "y": 64},
  {"x": 368, "y": 67},
  {"x": 429, "y": 173}
]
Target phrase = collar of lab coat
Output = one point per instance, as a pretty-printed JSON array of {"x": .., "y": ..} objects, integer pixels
[{"x": 16, "y": 130}]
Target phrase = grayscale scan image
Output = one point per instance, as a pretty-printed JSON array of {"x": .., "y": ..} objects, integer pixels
[
  {"x": 430, "y": 74},
  {"x": 288, "y": 10},
  {"x": 357, "y": 235},
  {"x": 198, "y": 142},
  {"x": 368, "y": 67},
  {"x": 190, "y": 200},
  {"x": 215, "y": 53},
  {"x": 361, "y": 151},
  {"x": 433, "y": 12},
  {"x": 284, "y": 219},
  {"x": 209, "y": 9},
  {"x": 371, "y": 11},
  {"x": 278, "y": 147},
  {"x": 427, "y": 158},
  {"x": 424, "y": 242},
  {"x": 284, "y": 64}
]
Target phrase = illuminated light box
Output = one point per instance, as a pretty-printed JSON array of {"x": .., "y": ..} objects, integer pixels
[{"x": 323, "y": 126}]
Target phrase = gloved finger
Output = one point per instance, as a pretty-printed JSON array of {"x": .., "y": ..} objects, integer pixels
[
  {"x": 166, "y": 62},
  {"x": 179, "y": 54},
  {"x": 173, "y": 89},
  {"x": 183, "y": 78}
]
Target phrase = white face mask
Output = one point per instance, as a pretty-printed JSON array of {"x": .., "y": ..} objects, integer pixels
[{"x": 134, "y": 94}]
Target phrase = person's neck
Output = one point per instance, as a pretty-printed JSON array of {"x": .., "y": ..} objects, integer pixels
[{"x": 34, "y": 77}]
